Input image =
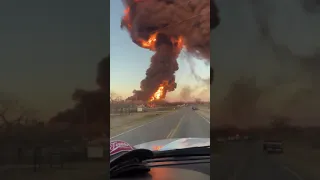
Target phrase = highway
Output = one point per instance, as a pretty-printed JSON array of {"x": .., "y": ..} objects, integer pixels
[
  {"x": 247, "y": 161},
  {"x": 242, "y": 160},
  {"x": 179, "y": 124}
]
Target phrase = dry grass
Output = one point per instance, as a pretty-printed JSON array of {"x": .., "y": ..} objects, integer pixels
[{"x": 120, "y": 125}]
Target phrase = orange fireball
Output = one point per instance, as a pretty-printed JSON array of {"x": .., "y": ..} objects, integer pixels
[
  {"x": 158, "y": 94},
  {"x": 151, "y": 41}
]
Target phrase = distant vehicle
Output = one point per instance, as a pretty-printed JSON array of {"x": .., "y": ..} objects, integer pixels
[
  {"x": 194, "y": 108},
  {"x": 273, "y": 146}
]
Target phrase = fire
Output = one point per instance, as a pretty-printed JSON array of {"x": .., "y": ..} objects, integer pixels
[
  {"x": 150, "y": 43},
  {"x": 126, "y": 18},
  {"x": 161, "y": 91},
  {"x": 151, "y": 105},
  {"x": 178, "y": 42},
  {"x": 158, "y": 94}
]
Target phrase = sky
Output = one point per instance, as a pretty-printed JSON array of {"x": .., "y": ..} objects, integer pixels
[
  {"x": 129, "y": 62},
  {"x": 49, "y": 48}
]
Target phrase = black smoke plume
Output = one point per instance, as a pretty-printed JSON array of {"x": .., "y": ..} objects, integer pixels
[
  {"x": 162, "y": 68},
  {"x": 214, "y": 23},
  {"x": 92, "y": 103},
  {"x": 191, "y": 20},
  {"x": 103, "y": 73}
]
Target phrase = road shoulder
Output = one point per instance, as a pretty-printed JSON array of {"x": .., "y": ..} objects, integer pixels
[
  {"x": 122, "y": 124},
  {"x": 300, "y": 161}
]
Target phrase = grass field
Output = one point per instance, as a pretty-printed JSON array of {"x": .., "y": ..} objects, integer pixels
[{"x": 122, "y": 124}]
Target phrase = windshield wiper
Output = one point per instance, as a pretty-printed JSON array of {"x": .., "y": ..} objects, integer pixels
[{"x": 193, "y": 151}]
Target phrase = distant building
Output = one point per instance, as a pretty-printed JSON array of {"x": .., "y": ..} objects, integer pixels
[{"x": 141, "y": 108}]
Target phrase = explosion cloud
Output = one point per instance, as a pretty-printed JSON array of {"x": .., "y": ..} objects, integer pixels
[
  {"x": 161, "y": 71},
  {"x": 167, "y": 26},
  {"x": 103, "y": 73}
]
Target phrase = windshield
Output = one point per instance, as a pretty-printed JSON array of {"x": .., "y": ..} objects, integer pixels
[{"x": 154, "y": 95}]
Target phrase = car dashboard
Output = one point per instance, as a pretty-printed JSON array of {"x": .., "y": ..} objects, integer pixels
[{"x": 186, "y": 169}]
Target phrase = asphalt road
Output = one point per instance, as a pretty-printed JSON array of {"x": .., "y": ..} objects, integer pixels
[
  {"x": 237, "y": 161},
  {"x": 180, "y": 124},
  {"x": 247, "y": 161}
]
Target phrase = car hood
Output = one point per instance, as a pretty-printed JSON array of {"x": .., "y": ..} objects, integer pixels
[{"x": 178, "y": 143}]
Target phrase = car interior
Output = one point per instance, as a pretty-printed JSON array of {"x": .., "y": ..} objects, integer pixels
[{"x": 186, "y": 168}]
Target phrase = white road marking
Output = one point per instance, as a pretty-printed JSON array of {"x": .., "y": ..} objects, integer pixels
[
  {"x": 143, "y": 125},
  {"x": 203, "y": 117},
  {"x": 293, "y": 173},
  {"x": 177, "y": 127},
  {"x": 169, "y": 134}
]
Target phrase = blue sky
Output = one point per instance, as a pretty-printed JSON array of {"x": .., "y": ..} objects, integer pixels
[{"x": 129, "y": 62}]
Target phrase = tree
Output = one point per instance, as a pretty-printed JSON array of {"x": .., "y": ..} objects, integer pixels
[
  {"x": 119, "y": 99},
  {"x": 12, "y": 112},
  {"x": 113, "y": 96}
]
